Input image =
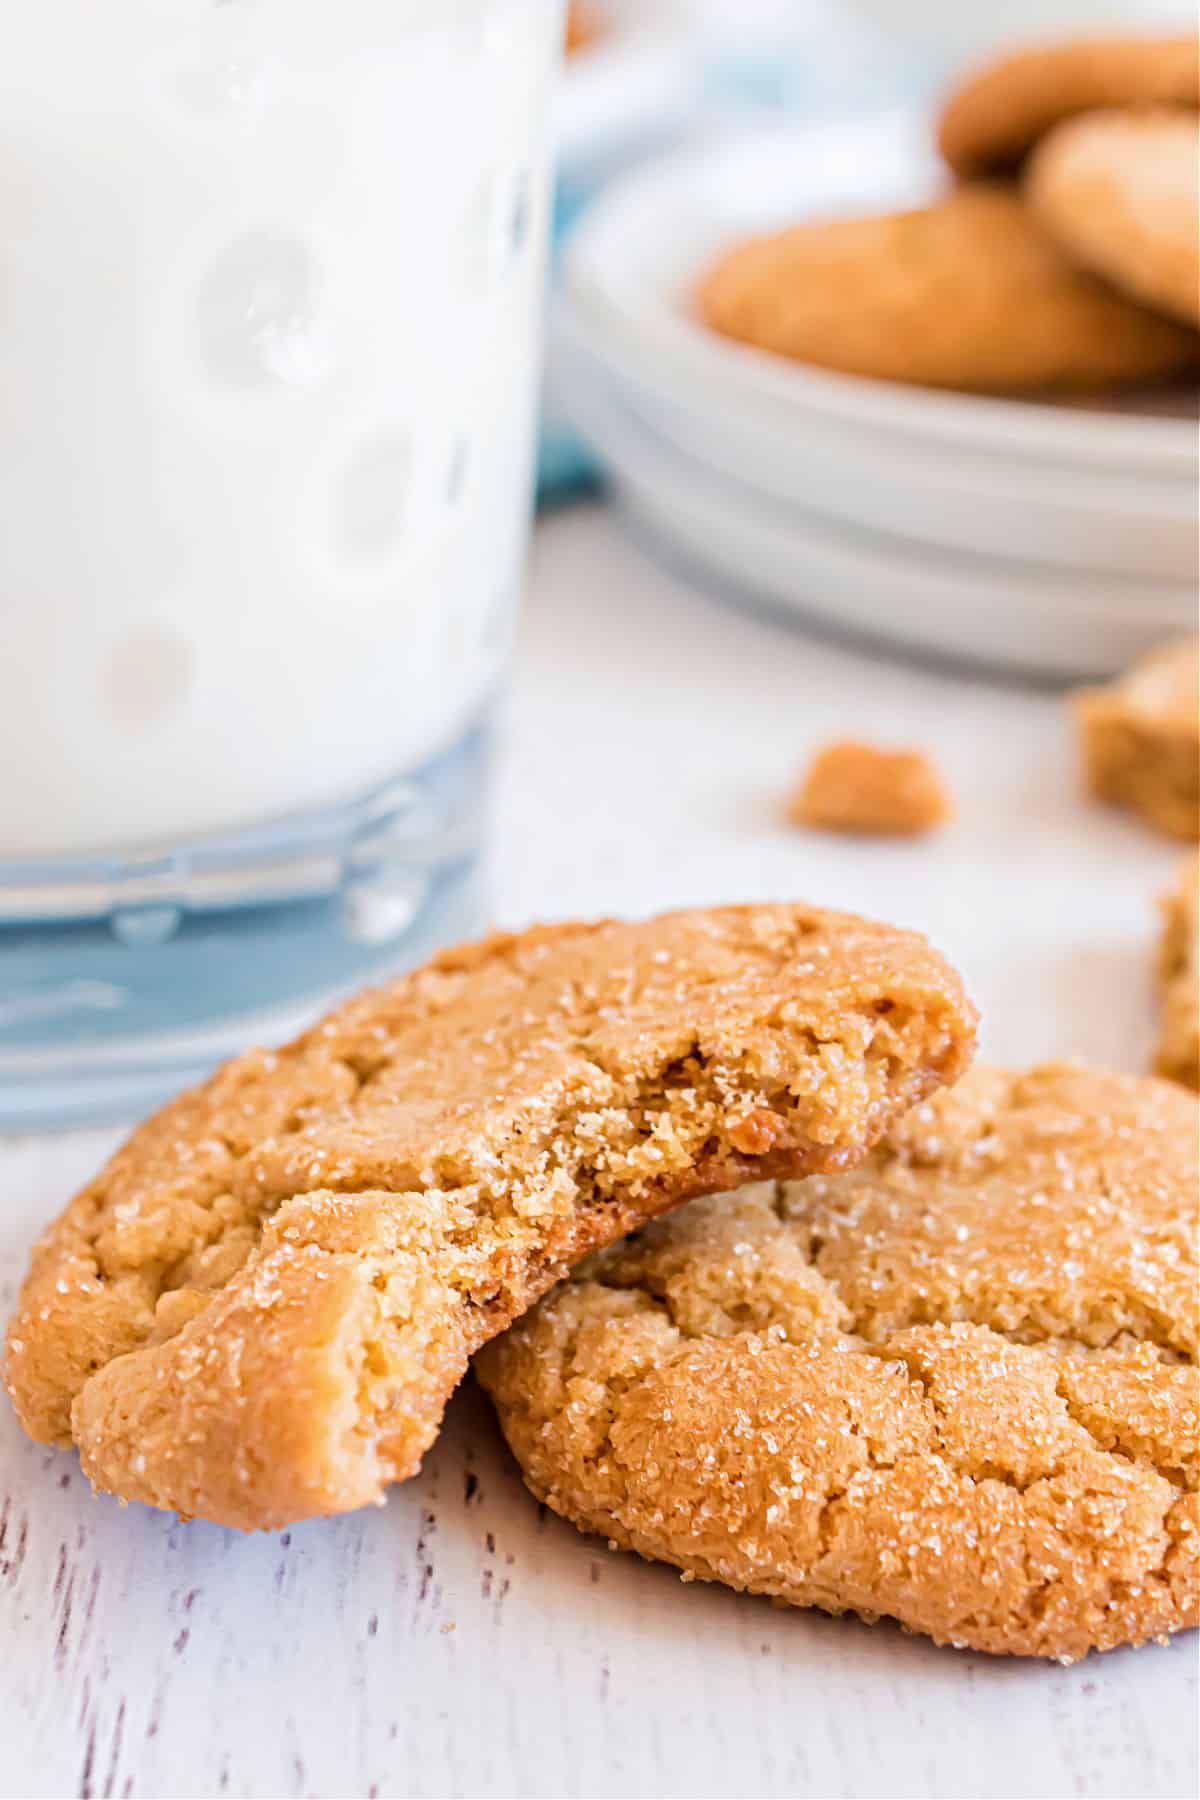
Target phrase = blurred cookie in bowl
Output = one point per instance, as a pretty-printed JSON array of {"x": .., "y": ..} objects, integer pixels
[
  {"x": 1120, "y": 192},
  {"x": 968, "y": 293},
  {"x": 1178, "y": 1052},
  {"x": 997, "y": 113}
]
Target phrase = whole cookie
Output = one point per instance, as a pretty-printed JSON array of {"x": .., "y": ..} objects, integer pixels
[
  {"x": 1120, "y": 192},
  {"x": 993, "y": 117},
  {"x": 967, "y": 293},
  {"x": 956, "y": 1388},
  {"x": 258, "y": 1310}
]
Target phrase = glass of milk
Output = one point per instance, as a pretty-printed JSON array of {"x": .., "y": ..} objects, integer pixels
[{"x": 270, "y": 290}]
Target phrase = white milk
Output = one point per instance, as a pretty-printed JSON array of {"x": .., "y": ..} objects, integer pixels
[{"x": 269, "y": 295}]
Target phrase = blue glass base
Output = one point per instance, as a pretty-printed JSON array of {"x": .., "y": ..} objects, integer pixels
[{"x": 121, "y": 980}]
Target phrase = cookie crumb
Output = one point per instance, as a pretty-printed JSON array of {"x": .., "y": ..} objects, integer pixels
[
  {"x": 857, "y": 787},
  {"x": 1140, "y": 738},
  {"x": 1119, "y": 191},
  {"x": 1178, "y": 1054}
]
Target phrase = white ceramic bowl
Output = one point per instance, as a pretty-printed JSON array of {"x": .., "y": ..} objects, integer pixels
[{"x": 1020, "y": 617}]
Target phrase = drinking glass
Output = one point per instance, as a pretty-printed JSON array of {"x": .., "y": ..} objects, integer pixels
[{"x": 270, "y": 292}]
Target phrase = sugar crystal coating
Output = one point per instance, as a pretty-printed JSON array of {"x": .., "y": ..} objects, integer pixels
[
  {"x": 259, "y": 1308},
  {"x": 955, "y": 1387}
]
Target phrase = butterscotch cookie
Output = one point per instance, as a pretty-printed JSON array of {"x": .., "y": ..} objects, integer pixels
[
  {"x": 967, "y": 293},
  {"x": 999, "y": 111},
  {"x": 1121, "y": 193},
  {"x": 1141, "y": 739},
  {"x": 956, "y": 1388},
  {"x": 863, "y": 788},
  {"x": 258, "y": 1310},
  {"x": 1178, "y": 1053}
]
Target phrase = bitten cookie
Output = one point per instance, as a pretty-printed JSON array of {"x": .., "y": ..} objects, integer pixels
[
  {"x": 258, "y": 1310},
  {"x": 584, "y": 26},
  {"x": 956, "y": 1388},
  {"x": 993, "y": 117},
  {"x": 1178, "y": 1053},
  {"x": 1141, "y": 739},
  {"x": 967, "y": 293},
  {"x": 1121, "y": 193}
]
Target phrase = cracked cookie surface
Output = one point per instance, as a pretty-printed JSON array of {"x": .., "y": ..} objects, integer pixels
[
  {"x": 1140, "y": 738},
  {"x": 955, "y": 1387},
  {"x": 258, "y": 1310}
]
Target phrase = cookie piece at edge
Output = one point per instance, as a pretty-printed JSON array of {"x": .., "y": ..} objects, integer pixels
[
  {"x": 968, "y": 293},
  {"x": 856, "y": 787},
  {"x": 1140, "y": 738},
  {"x": 1178, "y": 1053},
  {"x": 955, "y": 1387},
  {"x": 1120, "y": 192},
  {"x": 258, "y": 1310},
  {"x": 994, "y": 117}
]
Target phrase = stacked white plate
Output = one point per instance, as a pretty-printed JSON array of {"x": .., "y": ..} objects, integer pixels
[{"x": 1053, "y": 539}]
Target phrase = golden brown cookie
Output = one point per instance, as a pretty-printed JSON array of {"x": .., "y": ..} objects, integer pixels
[
  {"x": 955, "y": 1388},
  {"x": 259, "y": 1308},
  {"x": 1120, "y": 192},
  {"x": 999, "y": 111},
  {"x": 862, "y": 788},
  {"x": 967, "y": 293},
  {"x": 1178, "y": 1053},
  {"x": 1141, "y": 739}
]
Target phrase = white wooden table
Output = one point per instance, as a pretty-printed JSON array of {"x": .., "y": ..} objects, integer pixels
[{"x": 458, "y": 1642}]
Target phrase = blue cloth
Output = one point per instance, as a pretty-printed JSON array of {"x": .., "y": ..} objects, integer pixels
[{"x": 564, "y": 468}]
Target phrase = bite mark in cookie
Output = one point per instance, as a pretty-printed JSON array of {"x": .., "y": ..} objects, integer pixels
[
  {"x": 259, "y": 1308},
  {"x": 955, "y": 1387}
]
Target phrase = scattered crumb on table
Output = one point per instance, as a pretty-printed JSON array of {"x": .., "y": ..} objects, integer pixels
[{"x": 853, "y": 786}]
